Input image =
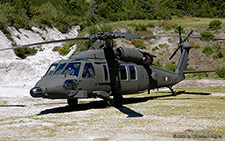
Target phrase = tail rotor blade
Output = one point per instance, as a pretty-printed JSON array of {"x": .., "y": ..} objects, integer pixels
[
  {"x": 180, "y": 35},
  {"x": 188, "y": 36},
  {"x": 174, "y": 53}
]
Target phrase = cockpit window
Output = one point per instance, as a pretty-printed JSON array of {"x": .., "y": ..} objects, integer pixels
[
  {"x": 51, "y": 69},
  {"x": 89, "y": 71},
  {"x": 72, "y": 69},
  {"x": 59, "y": 69}
]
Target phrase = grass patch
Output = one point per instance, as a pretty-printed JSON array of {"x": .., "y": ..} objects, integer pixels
[
  {"x": 182, "y": 21},
  {"x": 2, "y": 103}
]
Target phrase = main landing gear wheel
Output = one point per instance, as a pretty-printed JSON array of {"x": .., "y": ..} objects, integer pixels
[
  {"x": 118, "y": 100},
  {"x": 72, "y": 102}
]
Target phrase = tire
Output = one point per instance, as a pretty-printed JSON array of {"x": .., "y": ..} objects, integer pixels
[
  {"x": 118, "y": 100},
  {"x": 72, "y": 102}
]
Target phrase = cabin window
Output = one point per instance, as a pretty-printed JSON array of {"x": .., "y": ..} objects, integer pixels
[
  {"x": 132, "y": 70},
  {"x": 51, "y": 69},
  {"x": 89, "y": 71},
  {"x": 72, "y": 69},
  {"x": 59, "y": 69},
  {"x": 123, "y": 72},
  {"x": 105, "y": 72}
]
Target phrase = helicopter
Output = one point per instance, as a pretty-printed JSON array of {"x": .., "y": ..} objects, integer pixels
[{"x": 107, "y": 72}]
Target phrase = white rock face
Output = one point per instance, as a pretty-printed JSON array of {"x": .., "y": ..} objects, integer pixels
[{"x": 28, "y": 71}]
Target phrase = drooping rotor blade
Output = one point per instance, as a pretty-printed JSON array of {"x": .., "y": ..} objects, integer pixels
[
  {"x": 114, "y": 35},
  {"x": 132, "y": 36},
  {"x": 47, "y": 42},
  {"x": 215, "y": 38}
]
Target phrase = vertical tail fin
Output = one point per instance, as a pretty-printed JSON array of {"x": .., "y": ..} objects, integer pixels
[{"x": 183, "y": 61}]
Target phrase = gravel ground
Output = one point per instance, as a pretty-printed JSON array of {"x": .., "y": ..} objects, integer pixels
[{"x": 157, "y": 116}]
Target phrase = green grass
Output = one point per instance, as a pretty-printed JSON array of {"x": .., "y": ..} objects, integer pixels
[
  {"x": 130, "y": 22},
  {"x": 182, "y": 21}
]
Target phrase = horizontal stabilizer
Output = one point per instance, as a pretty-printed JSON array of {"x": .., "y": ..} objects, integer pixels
[{"x": 187, "y": 72}]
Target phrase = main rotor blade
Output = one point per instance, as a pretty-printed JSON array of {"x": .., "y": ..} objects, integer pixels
[
  {"x": 132, "y": 36},
  {"x": 48, "y": 42}
]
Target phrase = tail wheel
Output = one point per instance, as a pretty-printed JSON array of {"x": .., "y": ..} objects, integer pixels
[
  {"x": 72, "y": 102},
  {"x": 118, "y": 100}
]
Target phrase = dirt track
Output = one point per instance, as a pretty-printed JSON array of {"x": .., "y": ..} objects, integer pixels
[{"x": 157, "y": 116}]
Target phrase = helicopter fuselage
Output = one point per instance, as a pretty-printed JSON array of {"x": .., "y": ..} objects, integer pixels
[{"x": 86, "y": 78}]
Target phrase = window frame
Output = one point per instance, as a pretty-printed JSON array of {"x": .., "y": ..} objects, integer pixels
[
  {"x": 121, "y": 73},
  {"x": 105, "y": 70},
  {"x": 76, "y": 74},
  {"x": 135, "y": 72},
  {"x": 65, "y": 64},
  {"x": 49, "y": 69},
  {"x": 91, "y": 76}
]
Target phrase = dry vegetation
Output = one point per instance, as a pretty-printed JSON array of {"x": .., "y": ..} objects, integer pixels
[{"x": 158, "y": 116}]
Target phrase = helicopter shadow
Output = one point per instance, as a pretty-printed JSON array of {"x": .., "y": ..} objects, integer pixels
[
  {"x": 87, "y": 106},
  {"x": 13, "y": 106},
  {"x": 102, "y": 104}
]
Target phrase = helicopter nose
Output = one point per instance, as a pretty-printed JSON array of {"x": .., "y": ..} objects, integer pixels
[{"x": 36, "y": 92}]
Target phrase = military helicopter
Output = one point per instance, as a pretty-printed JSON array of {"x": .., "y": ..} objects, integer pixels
[{"x": 107, "y": 72}]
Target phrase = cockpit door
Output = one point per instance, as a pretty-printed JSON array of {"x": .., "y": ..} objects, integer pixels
[
  {"x": 102, "y": 76},
  {"x": 88, "y": 78}
]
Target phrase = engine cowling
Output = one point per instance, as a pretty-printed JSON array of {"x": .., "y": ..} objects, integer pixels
[{"x": 133, "y": 55}]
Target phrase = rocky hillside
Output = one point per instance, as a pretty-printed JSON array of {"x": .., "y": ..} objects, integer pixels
[{"x": 29, "y": 70}]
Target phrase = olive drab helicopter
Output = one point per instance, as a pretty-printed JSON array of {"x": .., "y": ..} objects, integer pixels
[{"x": 108, "y": 72}]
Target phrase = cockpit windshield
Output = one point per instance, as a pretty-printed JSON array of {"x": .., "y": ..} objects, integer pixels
[
  {"x": 51, "y": 69},
  {"x": 59, "y": 69},
  {"x": 64, "y": 69},
  {"x": 72, "y": 69}
]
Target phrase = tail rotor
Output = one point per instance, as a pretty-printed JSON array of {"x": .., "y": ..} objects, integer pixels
[{"x": 180, "y": 45}]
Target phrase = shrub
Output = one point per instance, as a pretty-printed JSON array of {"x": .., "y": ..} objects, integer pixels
[
  {"x": 150, "y": 25},
  {"x": 197, "y": 46},
  {"x": 164, "y": 46},
  {"x": 221, "y": 72},
  {"x": 155, "y": 48},
  {"x": 138, "y": 43},
  {"x": 66, "y": 49},
  {"x": 157, "y": 63},
  {"x": 56, "y": 48},
  {"x": 206, "y": 36},
  {"x": 215, "y": 24},
  {"x": 181, "y": 29},
  {"x": 207, "y": 50},
  {"x": 168, "y": 25},
  {"x": 171, "y": 67},
  {"x": 24, "y": 52},
  {"x": 140, "y": 27}
]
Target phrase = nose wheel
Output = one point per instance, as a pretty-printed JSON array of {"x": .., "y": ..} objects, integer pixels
[{"x": 72, "y": 102}]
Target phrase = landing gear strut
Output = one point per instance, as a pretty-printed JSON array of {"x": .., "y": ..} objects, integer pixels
[
  {"x": 72, "y": 102},
  {"x": 173, "y": 92},
  {"x": 118, "y": 100}
]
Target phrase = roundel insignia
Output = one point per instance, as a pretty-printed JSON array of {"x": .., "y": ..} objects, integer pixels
[{"x": 166, "y": 78}]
